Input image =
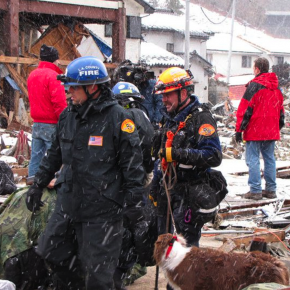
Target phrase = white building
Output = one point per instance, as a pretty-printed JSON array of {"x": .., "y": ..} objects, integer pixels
[{"x": 167, "y": 31}]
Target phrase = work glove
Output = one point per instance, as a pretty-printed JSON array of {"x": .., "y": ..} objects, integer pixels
[
  {"x": 238, "y": 137},
  {"x": 33, "y": 198}
]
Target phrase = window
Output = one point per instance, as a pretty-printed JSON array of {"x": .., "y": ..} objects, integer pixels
[
  {"x": 109, "y": 30},
  {"x": 134, "y": 27},
  {"x": 246, "y": 61},
  {"x": 280, "y": 60},
  {"x": 170, "y": 47}
]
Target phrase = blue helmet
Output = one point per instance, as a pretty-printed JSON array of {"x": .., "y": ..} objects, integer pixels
[
  {"x": 128, "y": 95},
  {"x": 86, "y": 70},
  {"x": 126, "y": 90}
]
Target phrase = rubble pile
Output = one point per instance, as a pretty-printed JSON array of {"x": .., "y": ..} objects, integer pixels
[{"x": 224, "y": 114}]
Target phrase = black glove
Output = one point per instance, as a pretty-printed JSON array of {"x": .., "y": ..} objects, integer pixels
[
  {"x": 238, "y": 137},
  {"x": 33, "y": 198},
  {"x": 133, "y": 215},
  {"x": 156, "y": 143}
]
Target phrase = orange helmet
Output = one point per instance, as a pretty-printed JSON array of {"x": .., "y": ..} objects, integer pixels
[{"x": 172, "y": 79}]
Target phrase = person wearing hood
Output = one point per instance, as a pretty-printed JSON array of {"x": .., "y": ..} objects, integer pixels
[
  {"x": 47, "y": 100},
  {"x": 260, "y": 117},
  {"x": 186, "y": 147},
  {"x": 96, "y": 145}
]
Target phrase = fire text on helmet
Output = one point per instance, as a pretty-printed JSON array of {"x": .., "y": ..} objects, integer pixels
[{"x": 89, "y": 72}]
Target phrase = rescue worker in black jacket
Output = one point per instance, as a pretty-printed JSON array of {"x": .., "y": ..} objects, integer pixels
[
  {"x": 187, "y": 146},
  {"x": 97, "y": 145},
  {"x": 130, "y": 98}
]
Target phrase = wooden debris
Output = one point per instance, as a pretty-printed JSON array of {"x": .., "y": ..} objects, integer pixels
[
  {"x": 227, "y": 246},
  {"x": 268, "y": 235}
]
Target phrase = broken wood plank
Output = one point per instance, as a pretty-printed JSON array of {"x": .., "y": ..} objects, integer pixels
[
  {"x": 283, "y": 174},
  {"x": 35, "y": 61},
  {"x": 277, "y": 236},
  {"x": 30, "y": 40},
  {"x": 233, "y": 214},
  {"x": 66, "y": 36},
  {"x": 227, "y": 246},
  {"x": 20, "y": 60},
  {"x": 245, "y": 204}
]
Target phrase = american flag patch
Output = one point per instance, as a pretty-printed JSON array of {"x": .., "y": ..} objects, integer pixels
[{"x": 96, "y": 141}]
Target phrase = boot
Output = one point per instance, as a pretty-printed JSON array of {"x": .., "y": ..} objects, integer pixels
[
  {"x": 254, "y": 196},
  {"x": 269, "y": 194}
]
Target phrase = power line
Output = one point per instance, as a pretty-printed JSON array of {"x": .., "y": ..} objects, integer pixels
[{"x": 229, "y": 10}]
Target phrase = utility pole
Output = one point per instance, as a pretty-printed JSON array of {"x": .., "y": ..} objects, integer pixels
[
  {"x": 186, "y": 48},
  {"x": 231, "y": 41}
]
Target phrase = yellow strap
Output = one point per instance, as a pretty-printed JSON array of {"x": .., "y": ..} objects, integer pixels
[{"x": 168, "y": 154}]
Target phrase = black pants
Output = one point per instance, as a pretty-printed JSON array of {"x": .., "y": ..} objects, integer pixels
[
  {"x": 95, "y": 246},
  {"x": 191, "y": 231}
]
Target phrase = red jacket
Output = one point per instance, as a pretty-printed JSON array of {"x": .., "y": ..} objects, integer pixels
[
  {"x": 46, "y": 94},
  {"x": 260, "y": 114}
]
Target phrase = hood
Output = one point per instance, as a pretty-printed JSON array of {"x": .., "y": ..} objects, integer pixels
[{"x": 269, "y": 80}]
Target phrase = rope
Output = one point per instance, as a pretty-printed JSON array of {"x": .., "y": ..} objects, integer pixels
[{"x": 168, "y": 187}]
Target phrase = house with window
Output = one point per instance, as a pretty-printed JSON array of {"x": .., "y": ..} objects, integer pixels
[
  {"x": 276, "y": 50},
  {"x": 167, "y": 32},
  {"x": 243, "y": 54}
]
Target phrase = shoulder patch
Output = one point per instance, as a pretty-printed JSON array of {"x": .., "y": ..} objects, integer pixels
[
  {"x": 206, "y": 130},
  {"x": 128, "y": 126}
]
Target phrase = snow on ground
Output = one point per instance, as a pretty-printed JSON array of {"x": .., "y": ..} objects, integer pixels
[{"x": 238, "y": 184}]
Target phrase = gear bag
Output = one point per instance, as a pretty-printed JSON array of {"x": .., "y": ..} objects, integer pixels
[{"x": 218, "y": 183}]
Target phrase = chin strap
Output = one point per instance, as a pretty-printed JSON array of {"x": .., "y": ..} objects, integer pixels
[
  {"x": 180, "y": 104},
  {"x": 90, "y": 96}
]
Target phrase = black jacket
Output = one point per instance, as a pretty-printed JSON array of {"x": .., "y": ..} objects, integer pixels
[
  {"x": 195, "y": 149},
  {"x": 98, "y": 146},
  {"x": 146, "y": 133}
]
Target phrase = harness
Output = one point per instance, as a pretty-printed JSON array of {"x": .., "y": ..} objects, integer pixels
[
  {"x": 169, "y": 168},
  {"x": 169, "y": 249}
]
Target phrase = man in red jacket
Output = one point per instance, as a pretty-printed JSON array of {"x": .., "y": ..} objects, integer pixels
[
  {"x": 260, "y": 117},
  {"x": 47, "y": 100}
]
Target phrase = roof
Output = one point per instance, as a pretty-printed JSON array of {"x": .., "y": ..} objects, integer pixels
[
  {"x": 221, "y": 42},
  {"x": 154, "y": 55},
  {"x": 170, "y": 22},
  {"x": 195, "y": 55},
  {"x": 147, "y": 7},
  {"x": 268, "y": 43}
]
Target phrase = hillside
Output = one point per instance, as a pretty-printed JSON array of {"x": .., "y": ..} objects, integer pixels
[{"x": 248, "y": 11}]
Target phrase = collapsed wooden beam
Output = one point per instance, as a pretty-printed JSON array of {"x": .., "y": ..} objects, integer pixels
[
  {"x": 35, "y": 61},
  {"x": 268, "y": 235}
]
